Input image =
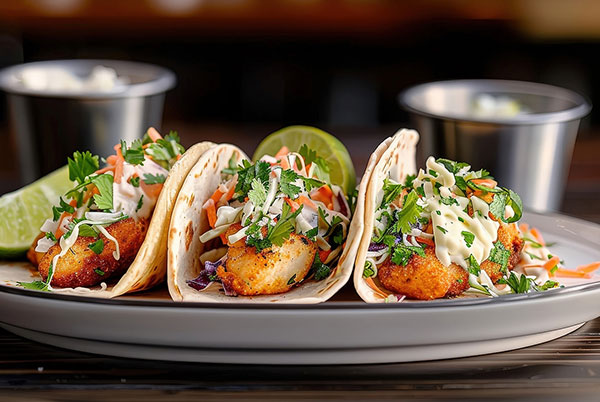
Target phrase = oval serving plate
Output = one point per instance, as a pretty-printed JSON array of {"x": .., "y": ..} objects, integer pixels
[{"x": 150, "y": 326}]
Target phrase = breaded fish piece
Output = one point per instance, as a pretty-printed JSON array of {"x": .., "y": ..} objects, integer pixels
[
  {"x": 273, "y": 270},
  {"x": 425, "y": 278},
  {"x": 510, "y": 237},
  {"x": 81, "y": 266}
]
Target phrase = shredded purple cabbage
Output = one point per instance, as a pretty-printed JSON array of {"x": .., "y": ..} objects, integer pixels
[
  {"x": 203, "y": 280},
  {"x": 228, "y": 290},
  {"x": 376, "y": 246},
  {"x": 342, "y": 201}
]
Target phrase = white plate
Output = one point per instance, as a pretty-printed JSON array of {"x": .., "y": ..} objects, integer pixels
[{"x": 336, "y": 332}]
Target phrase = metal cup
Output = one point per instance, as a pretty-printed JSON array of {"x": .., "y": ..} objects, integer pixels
[
  {"x": 51, "y": 125},
  {"x": 528, "y": 152}
]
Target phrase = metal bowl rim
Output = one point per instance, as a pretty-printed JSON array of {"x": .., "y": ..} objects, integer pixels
[
  {"x": 164, "y": 80},
  {"x": 582, "y": 108}
]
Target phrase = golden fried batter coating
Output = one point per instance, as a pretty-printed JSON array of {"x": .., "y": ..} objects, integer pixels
[
  {"x": 510, "y": 238},
  {"x": 274, "y": 270},
  {"x": 32, "y": 255},
  {"x": 422, "y": 278},
  {"x": 81, "y": 266},
  {"x": 425, "y": 278}
]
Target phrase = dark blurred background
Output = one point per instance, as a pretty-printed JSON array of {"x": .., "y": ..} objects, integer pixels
[{"x": 248, "y": 67}]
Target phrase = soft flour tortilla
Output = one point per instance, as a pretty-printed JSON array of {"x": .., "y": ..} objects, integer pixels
[
  {"x": 150, "y": 265},
  {"x": 189, "y": 221},
  {"x": 394, "y": 158}
]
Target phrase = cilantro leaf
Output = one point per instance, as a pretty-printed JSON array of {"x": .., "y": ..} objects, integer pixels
[
  {"x": 104, "y": 183},
  {"x": 135, "y": 181},
  {"x": 321, "y": 271},
  {"x": 448, "y": 200},
  {"x": 498, "y": 205},
  {"x": 368, "y": 271},
  {"x": 310, "y": 183},
  {"x": 35, "y": 285},
  {"x": 247, "y": 173},
  {"x": 409, "y": 214},
  {"x": 281, "y": 231},
  {"x": 150, "y": 178},
  {"x": 517, "y": 283},
  {"x": 140, "y": 203},
  {"x": 514, "y": 201},
  {"x": 391, "y": 191},
  {"x": 133, "y": 155},
  {"x": 165, "y": 150},
  {"x": 469, "y": 237},
  {"x": 312, "y": 233},
  {"x": 308, "y": 154},
  {"x": 402, "y": 253},
  {"x": 97, "y": 246},
  {"x": 288, "y": 177},
  {"x": 99, "y": 271},
  {"x": 500, "y": 255},
  {"x": 408, "y": 182},
  {"x": 50, "y": 235},
  {"x": 258, "y": 193},
  {"x": 63, "y": 207},
  {"x": 87, "y": 231},
  {"x": 474, "y": 267},
  {"x": 452, "y": 166},
  {"x": 82, "y": 165},
  {"x": 442, "y": 229}
]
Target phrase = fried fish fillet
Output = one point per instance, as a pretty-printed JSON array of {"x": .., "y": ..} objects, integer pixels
[
  {"x": 81, "y": 266},
  {"x": 273, "y": 270},
  {"x": 425, "y": 278}
]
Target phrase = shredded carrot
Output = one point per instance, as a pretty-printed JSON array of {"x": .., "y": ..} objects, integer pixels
[
  {"x": 118, "y": 166},
  {"x": 111, "y": 160},
  {"x": 524, "y": 227},
  {"x": 323, "y": 194},
  {"x": 211, "y": 212},
  {"x": 153, "y": 134},
  {"x": 179, "y": 156},
  {"x": 230, "y": 193},
  {"x": 423, "y": 240},
  {"x": 373, "y": 286},
  {"x": 538, "y": 236},
  {"x": 217, "y": 195},
  {"x": 284, "y": 163},
  {"x": 489, "y": 197},
  {"x": 65, "y": 214},
  {"x": 152, "y": 190},
  {"x": 485, "y": 182},
  {"x": 567, "y": 273},
  {"x": 551, "y": 263},
  {"x": 223, "y": 238},
  {"x": 294, "y": 205},
  {"x": 589, "y": 268},
  {"x": 307, "y": 201},
  {"x": 282, "y": 152},
  {"x": 105, "y": 169},
  {"x": 323, "y": 254}
]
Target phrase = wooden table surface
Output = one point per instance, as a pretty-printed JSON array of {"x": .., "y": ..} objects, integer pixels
[{"x": 564, "y": 369}]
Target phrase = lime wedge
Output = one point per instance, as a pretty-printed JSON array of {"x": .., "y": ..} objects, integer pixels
[
  {"x": 23, "y": 212},
  {"x": 327, "y": 146}
]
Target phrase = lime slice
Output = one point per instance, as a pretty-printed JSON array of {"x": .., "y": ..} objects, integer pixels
[
  {"x": 327, "y": 146},
  {"x": 23, "y": 212}
]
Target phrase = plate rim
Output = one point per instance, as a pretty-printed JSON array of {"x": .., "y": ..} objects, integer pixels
[{"x": 354, "y": 305}]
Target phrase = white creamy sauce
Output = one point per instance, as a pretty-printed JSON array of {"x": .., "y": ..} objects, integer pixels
[
  {"x": 126, "y": 196},
  {"x": 450, "y": 221},
  {"x": 103, "y": 79}
]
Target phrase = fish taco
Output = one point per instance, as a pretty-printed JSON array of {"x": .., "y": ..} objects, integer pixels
[
  {"x": 273, "y": 230},
  {"x": 108, "y": 234},
  {"x": 445, "y": 231}
]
